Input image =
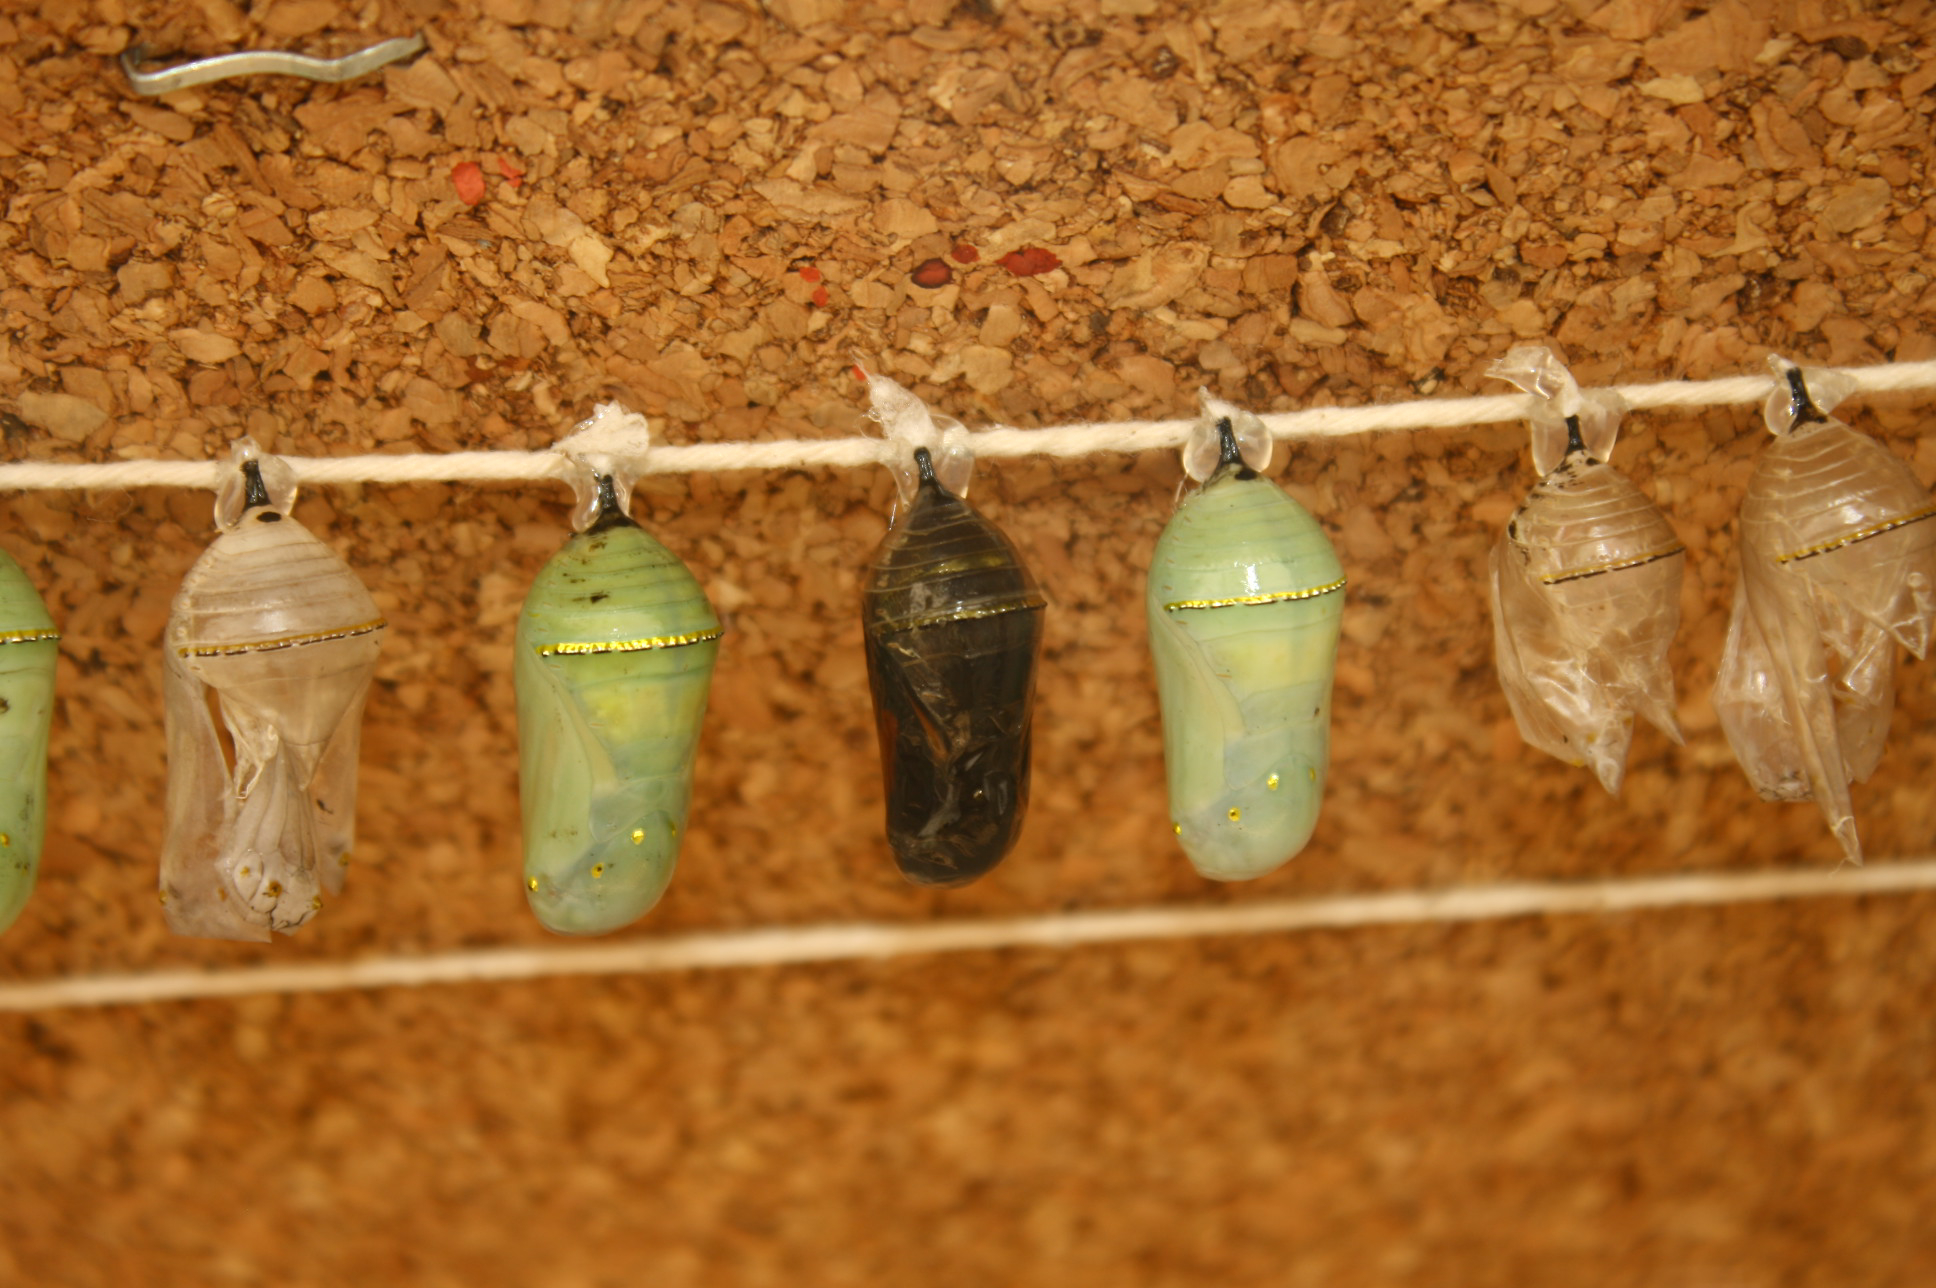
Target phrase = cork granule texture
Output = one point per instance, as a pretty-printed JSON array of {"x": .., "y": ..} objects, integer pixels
[{"x": 1031, "y": 212}]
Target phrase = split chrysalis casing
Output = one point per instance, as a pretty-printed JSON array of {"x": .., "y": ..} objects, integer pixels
[
  {"x": 1586, "y": 582},
  {"x": 953, "y": 624},
  {"x": 29, "y": 647},
  {"x": 273, "y": 624},
  {"x": 1245, "y": 600},
  {"x": 615, "y": 653},
  {"x": 1838, "y": 566}
]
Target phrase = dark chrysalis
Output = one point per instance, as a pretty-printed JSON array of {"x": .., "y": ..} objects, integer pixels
[{"x": 954, "y": 626}]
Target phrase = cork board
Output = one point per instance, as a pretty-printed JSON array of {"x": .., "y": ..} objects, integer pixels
[{"x": 708, "y": 211}]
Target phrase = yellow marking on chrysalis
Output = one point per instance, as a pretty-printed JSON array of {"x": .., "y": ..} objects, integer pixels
[
  {"x": 598, "y": 870},
  {"x": 281, "y": 641},
  {"x": 1270, "y": 597},
  {"x": 1235, "y": 813},
  {"x": 315, "y": 903},
  {"x": 1313, "y": 773},
  {"x": 638, "y": 836},
  {"x": 533, "y": 883},
  {"x": 28, "y": 637},
  {"x": 1574, "y": 574},
  {"x": 1271, "y": 782},
  {"x": 1178, "y": 828},
  {"x": 273, "y": 890},
  {"x": 1875, "y": 530},
  {"x": 343, "y": 861},
  {"x": 576, "y": 648},
  {"x": 245, "y": 872},
  {"x": 5, "y": 839},
  {"x": 162, "y": 895}
]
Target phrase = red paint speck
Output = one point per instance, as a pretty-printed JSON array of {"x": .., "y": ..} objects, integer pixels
[
  {"x": 468, "y": 177},
  {"x": 810, "y": 274},
  {"x": 1030, "y": 261},
  {"x": 512, "y": 175},
  {"x": 820, "y": 296},
  {"x": 858, "y": 373},
  {"x": 933, "y": 273},
  {"x": 964, "y": 254}
]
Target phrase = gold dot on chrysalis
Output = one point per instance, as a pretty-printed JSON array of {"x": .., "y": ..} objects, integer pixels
[
  {"x": 344, "y": 861},
  {"x": 163, "y": 895},
  {"x": 274, "y": 890},
  {"x": 638, "y": 836},
  {"x": 1178, "y": 827},
  {"x": 1271, "y": 782},
  {"x": 315, "y": 903},
  {"x": 1235, "y": 813},
  {"x": 1314, "y": 774},
  {"x": 5, "y": 839},
  {"x": 598, "y": 870},
  {"x": 245, "y": 872},
  {"x": 533, "y": 883}
]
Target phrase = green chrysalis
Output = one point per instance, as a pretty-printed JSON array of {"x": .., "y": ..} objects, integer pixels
[
  {"x": 1245, "y": 597},
  {"x": 28, "y": 646},
  {"x": 615, "y": 652}
]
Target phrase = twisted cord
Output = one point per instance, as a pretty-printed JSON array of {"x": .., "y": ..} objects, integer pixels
[{"x": 1062, "y": 441}]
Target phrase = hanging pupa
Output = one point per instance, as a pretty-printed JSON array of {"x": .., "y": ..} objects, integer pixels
[
  {"x": 273, "y": 630},
  {"x": 953, "y": 624},
  {"x": 1838, "y": 566},
  {"x": 1586, "y": 584},
  {"x": 614, "y": 660},
  {"x": 29, "y": 645},
  {"x": 1245, "y": 600}
]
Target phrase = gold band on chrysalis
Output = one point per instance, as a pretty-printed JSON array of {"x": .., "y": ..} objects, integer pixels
[
  {"x": 1853, "y": 537},
  {"x": 1574, "y": 574},
  {"x": 286, "y": 641},
  {"x": 629, "y": 646},
  {"x": 1271, "y": 597},
  {"x": 28, "y": 637}
]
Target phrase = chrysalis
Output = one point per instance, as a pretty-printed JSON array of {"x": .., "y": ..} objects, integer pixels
[
  {"x": 28, "y": 647},
  {"x": 1586, "y": 583},
  {"x": 1838, "y": 566},
  {"x": 953, "y": 623},
  {"x": 273, "y": 632},
  {"x": 615, "y": 652},
  {"x": 1245, "y": 599}
]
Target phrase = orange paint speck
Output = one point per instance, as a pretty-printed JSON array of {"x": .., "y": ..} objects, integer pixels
[
  {"x": 468, "y": 178},
  {"x": 964, "y": 254},
  {"x": 858, "y": 373},
  {"x": 820, "y": 296},
  {"x": 810, "y": 274},
  {"x": 512, "y": 175},
  {"x": 1030, "y": 261}
]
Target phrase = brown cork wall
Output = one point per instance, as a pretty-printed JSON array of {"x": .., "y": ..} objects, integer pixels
[{"x": 1290, "y": 204}]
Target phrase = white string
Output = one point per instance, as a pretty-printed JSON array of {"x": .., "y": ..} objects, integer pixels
[
  {"x": 865, "y": 941},
  {"x": 1082, "y": 439}
]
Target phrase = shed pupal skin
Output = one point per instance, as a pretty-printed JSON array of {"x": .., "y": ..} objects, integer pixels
[
  {"x": 1244, "y": 605},
  {"x": 276, "y": 627},
  {"x": 1586, "y": 582},
  {"x": 1838, "y": 567}
]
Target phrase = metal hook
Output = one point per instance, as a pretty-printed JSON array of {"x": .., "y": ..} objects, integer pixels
[{"x": 265, "y": 62}]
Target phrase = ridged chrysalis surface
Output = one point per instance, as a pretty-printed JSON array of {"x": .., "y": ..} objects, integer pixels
[
  {"x": 1838, "y": 566},
  {"x": 615, "y": 652},
  {"x": 953, "y": 624},
  {"x": 1586, "y": 582},
  {"x": 29, "y": 646},
  {"x": 274, "y": 635},
  {"x": 1244, "y": 604}
]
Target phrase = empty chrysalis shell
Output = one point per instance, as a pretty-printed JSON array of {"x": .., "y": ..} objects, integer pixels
[
  {"x": 615, "y": 652},
  {"x": 29, "y": 645},
  {"x": 273, "y": 633},
  {"x": 1586, "y": 582},
  {"x": 1244, "y": 604},
  {"x": 1838, "y": 566},
  {"x": 953, "y": 623}
]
